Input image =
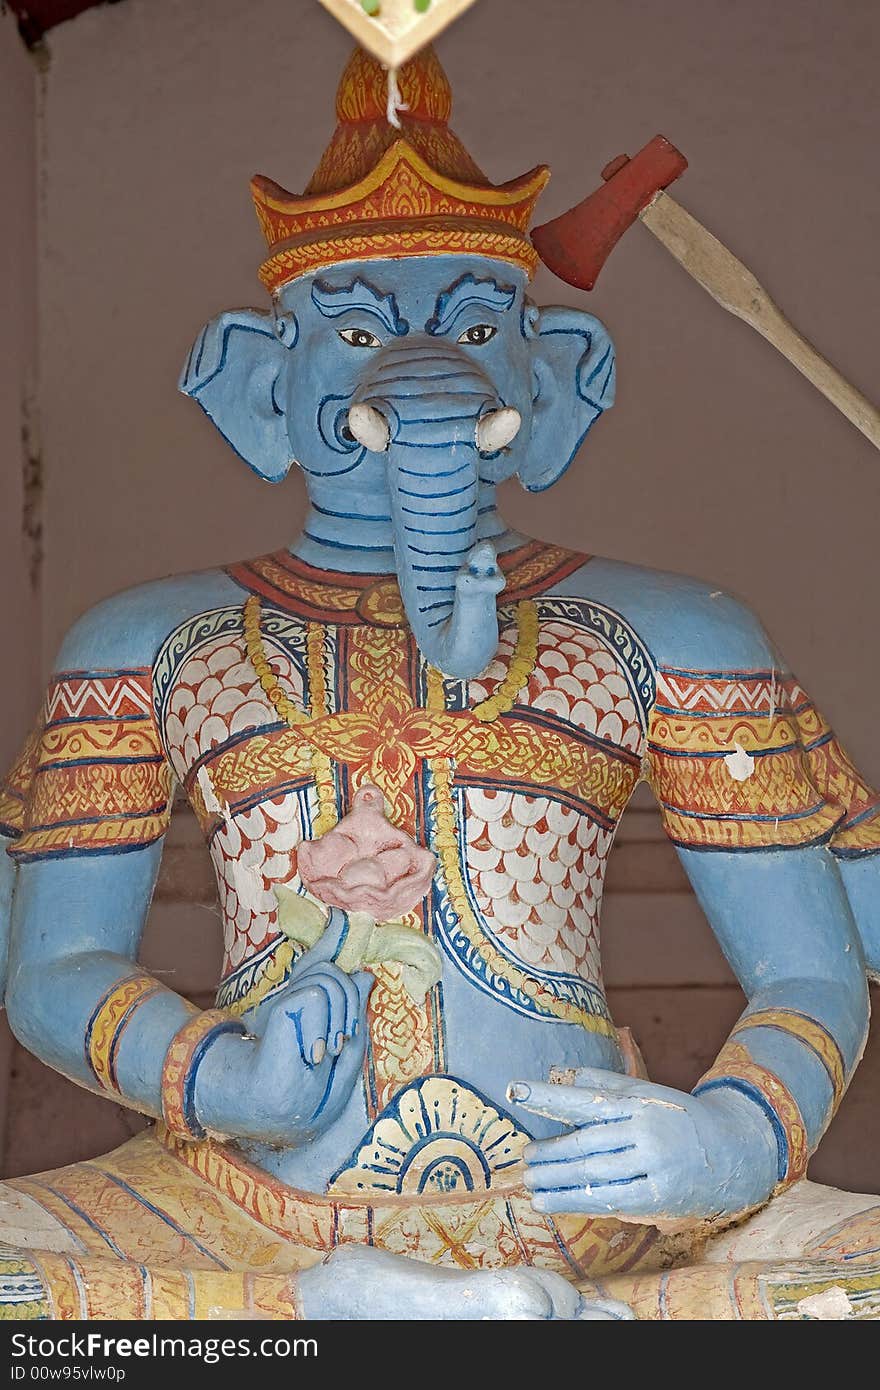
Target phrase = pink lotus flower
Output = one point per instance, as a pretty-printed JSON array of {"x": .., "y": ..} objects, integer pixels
[{"x": 366, "y": 864}]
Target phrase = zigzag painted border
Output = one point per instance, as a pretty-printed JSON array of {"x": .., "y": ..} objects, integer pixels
[
  {"x": 101, "y": 694},
  {"x": 741, "y": 692}
]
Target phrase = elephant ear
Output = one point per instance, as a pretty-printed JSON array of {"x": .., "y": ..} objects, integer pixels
[
  {"x": 573, "y": 360},
  {"x": 233, "y": 372}
]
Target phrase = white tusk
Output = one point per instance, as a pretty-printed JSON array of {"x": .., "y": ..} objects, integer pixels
[
  {"x": 495, "y": 431},
  {"x": 369, "y": 428}
]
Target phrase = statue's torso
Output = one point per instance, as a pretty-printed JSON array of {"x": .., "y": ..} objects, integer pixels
[{"x": 516, "y": 780}]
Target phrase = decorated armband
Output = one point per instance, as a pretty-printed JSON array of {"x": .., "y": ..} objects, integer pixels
[
  {"x": 841, "y": 784},
  {"x": 15, "y": 786},
  {"x": 742, "y": 761},
  {"x": 187, "y": 1049},
  {"x": 95, "y": 778},
  {"x": 808, "y": 1031},
  {"x": 110, "y": 1019}
]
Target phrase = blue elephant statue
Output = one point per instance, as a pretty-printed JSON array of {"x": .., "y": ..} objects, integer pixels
[{"x": 408, "y": 739}]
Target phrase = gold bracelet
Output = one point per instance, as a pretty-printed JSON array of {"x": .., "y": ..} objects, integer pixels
[
  {"x": 737, "y": 1070},
  {"x": 110, "y": 1018},
  {"x": 814, "y": 1036},
  {"x": 187, "y": 1048}
]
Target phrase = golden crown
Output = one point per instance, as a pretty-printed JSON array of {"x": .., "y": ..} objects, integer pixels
[{"x": 383, "y": 191}]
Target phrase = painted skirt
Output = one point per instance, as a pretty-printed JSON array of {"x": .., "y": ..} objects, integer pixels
[{"x": 161, "y": 1229}]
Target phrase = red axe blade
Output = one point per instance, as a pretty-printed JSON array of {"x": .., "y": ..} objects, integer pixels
[{"x": 576, "y": 245}]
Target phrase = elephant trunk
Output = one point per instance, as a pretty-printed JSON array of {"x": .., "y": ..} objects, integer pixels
[
  {"x": 433, "y": 443},
  {"x": 434, "y": 515}
]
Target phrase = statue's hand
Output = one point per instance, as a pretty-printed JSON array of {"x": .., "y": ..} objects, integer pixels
[
  {"x": 642, "y": 1150},
  {"x": 365, "y": 1283},
  {"x": 293, "y": 1080}
]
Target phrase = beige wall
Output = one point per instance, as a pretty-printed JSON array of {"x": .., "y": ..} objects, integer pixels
[
  {"x": 19, "y": 425},
  {"x": 718, "y": 460}
]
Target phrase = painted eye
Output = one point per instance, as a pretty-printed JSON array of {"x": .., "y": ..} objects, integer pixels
[
  {"x": 359, "y": 337},
  {"x": 478, "y": 335}
]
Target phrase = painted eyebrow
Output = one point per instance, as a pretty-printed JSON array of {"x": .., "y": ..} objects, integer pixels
[
  {"x": 468, "y": 290},
  {"x": 362, "y": 296}
]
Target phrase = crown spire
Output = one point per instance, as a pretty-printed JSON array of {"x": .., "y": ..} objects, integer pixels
[{"x": 386, "y": 189}]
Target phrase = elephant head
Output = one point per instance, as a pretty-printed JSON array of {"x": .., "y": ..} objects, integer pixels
[{"x": 406, "y": 390}]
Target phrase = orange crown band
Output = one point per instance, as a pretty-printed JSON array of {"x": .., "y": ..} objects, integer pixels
[{"x": 382, "y": 192}]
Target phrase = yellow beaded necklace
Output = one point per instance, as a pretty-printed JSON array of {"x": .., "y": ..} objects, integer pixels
[
  {"x": 444, "y": 839},
  {"x": 285, "y": 708}
]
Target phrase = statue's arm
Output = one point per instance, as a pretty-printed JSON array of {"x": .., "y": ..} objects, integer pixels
[
  {"x": 764, "y": 808},
  {"x": 78, "y": 999},
  {"x": 745, "y": 781},
  {"x": 84, "y": 814},
  {"x": 784, "y": 922},
  {"x": 76, "y": 996},
  {"x": 84, "y": 810}
]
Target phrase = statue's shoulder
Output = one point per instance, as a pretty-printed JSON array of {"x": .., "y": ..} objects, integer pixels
[
  {"x": 685, "y": 623},
  {"x": 129, "y": 629}
]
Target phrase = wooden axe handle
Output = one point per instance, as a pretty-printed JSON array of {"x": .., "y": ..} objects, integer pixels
[{"x": 736, "y": 289}]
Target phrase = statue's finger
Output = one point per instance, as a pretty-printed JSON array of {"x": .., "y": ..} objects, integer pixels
[
  {"x": 605, "y": 1310},
  {"x": 345, "y": 1070},
  {"x": 342, "y": 999},
  {"x": 631, "y": 1089},
  {"x": 571, "y": 1105},
  {"x": 363, "y": 980},
  {"x": 331, "y": 941},
  {"x": 584, "y": 1172},
  {"x": 598, "y": 1137},
  {"x": 630, "y": 1198},
  {"x": 310, "y": 1015}
]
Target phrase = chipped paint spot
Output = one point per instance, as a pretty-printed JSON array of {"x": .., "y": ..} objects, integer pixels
[
  {"x": 655, "y": 1100},
  {"x": 213, "y": 805},
  {"x": 828, "y": 1306},
  {"x": 249, "y": 885},
  {"x": 739, "y": 763}
]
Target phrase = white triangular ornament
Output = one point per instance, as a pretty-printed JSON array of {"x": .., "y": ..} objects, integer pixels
[{"x": 397, "y": 30}]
